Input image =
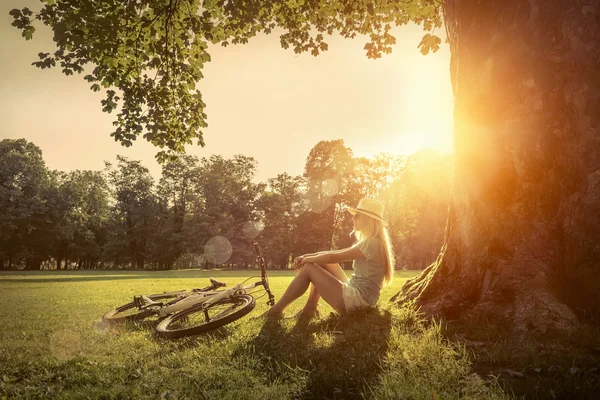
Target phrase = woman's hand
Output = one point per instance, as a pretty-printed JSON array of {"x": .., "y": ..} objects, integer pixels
[
  {"x": 305, "y": 259},
  {"x": 298, "y": 262}
]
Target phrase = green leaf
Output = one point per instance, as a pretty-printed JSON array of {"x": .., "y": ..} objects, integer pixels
[
  {"x": 126, "y": 45},
  {"x": 429, "y": 43},
  {"x": 28, "y": 32}
]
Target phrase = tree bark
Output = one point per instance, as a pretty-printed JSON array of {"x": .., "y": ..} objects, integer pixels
[{"x": 523, "y": 231}]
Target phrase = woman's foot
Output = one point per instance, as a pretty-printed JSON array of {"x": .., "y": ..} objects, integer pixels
[
  {"x": 269, "y": 315},
  {"x": 305, "y": 314}
]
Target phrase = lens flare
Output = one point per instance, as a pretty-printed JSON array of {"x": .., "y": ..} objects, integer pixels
[
  {"x": 101, "y": 327},
  {"x": 65, "y": 344},
  {"x": 252, "y": 229},
  {"x": 331, "y": 187},
  {"x": 318, "y": 204},
  {"x": 218, "y": 250}
]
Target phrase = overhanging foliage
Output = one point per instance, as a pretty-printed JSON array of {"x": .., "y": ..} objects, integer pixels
[{"x": 148, "y": 54}]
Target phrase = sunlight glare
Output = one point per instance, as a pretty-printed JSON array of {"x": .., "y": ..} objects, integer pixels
[{"x": 406, "y": 143}]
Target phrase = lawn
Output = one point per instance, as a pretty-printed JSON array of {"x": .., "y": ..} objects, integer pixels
[{"x": 53, "y": 345}]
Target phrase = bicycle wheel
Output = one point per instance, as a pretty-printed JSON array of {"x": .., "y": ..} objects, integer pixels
[
  {"x": 130, "y": 312},
  {"x": 197, "y": 319}
]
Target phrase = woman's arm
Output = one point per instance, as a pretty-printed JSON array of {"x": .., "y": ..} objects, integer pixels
[
  {"x": 313, "y": 254},
  {"x": 334, "y": 256},
  {"x": 298, "y": 260}
]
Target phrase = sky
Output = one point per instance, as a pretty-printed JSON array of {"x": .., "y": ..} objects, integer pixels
[{"x": 262, "y": 101}]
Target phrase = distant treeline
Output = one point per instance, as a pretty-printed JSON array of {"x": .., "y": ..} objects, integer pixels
[{"x": 207, "y": 212}]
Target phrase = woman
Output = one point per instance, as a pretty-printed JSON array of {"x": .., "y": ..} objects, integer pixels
[{"x": 373, "y": 268}]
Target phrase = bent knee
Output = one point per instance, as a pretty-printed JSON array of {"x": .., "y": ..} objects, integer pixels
[
  {"x": 307, "y": 268},
  {"x": 311, "y": 266}
]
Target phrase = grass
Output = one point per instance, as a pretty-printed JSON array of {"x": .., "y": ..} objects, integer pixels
[
  {"x": 53, "y": 346},
  {"x": 560, "y": 367}
]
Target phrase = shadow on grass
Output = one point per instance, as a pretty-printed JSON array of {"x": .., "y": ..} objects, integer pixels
[
  {"x": 64, "y": 276},
  {"x": 560, "y": 367},
  {"x": 193, "y": 341},
  {"x": 341, "y": 354},
  {"x": 75, "y": 279}
]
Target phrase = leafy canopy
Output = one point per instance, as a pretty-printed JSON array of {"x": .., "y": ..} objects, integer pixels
[{"x": 148, "y": 54}]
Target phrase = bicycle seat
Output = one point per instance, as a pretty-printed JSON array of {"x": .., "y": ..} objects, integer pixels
[{"x": 217, "y": 283}]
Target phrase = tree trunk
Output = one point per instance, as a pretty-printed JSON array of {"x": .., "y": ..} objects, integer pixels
[{"x": 521, "y": 242}]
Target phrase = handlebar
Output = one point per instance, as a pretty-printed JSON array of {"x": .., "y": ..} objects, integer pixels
[
  {"x": 257, "y": 249},
  {"x": 263, "y": 273}
]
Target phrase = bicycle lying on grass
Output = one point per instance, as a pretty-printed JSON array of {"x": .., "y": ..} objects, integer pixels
[{"x": 191, "y": 312}]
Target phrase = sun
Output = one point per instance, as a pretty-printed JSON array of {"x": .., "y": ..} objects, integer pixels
[
  {"x": 407, "y": 143},
  {"x": 404, "y": 143},
  {"x": 410, "y": 143},
  {"x": 422, "y": 102}
]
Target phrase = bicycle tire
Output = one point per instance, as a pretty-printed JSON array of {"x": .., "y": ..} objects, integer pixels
[
  {"x": 130, "y": 312},
  {"x": 170, "y": 326}
]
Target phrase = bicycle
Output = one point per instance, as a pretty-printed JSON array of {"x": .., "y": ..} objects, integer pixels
[{"x": 192, "y": 312}]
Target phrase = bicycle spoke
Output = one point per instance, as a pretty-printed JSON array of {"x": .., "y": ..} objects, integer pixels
[
  {"x": 226, "y": 311},
  {"x": 202, "y": 316}
]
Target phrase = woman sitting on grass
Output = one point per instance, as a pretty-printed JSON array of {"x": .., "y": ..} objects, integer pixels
[{"x": 373, "y": 267}]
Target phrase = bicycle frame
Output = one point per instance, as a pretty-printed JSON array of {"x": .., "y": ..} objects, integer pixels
[
  {"x": 205, "y": 298},
  {"x": 209, "y": 297}
]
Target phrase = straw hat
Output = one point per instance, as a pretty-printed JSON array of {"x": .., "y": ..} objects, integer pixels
[{"x": 369, "y": 207}]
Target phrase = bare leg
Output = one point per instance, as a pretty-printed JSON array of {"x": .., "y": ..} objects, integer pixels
[
  {"x": 314, "y": 296},
  {"x": 326, "y": 284}
]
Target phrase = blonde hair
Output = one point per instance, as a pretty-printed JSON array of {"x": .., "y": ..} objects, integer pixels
[{"x": 374, "y": 228}]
